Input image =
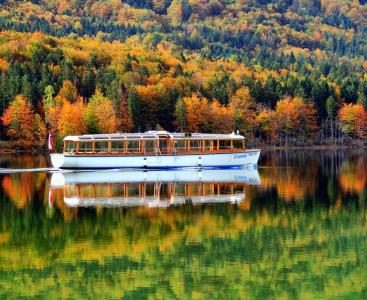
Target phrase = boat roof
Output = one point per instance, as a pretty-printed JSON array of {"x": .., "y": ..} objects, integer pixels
[{"x": 153, "y": 135}]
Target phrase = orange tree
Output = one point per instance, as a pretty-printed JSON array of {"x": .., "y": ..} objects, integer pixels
[
  {"x": 353, "y": 118},
  {"x": 295, "y": 119},
  {"x": 71, "y": 119},
  {"x": 21, "y": 124}
]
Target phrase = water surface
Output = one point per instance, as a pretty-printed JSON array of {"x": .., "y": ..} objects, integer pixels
[{"x": 294, "y": 228}]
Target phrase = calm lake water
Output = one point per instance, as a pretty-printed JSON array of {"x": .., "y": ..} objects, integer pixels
[{"x": 294, "y": 228}]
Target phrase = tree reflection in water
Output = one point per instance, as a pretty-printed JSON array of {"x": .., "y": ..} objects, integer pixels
[{"x": 300, "y": 234}]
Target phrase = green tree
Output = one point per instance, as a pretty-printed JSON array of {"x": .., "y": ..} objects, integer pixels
[
  {"x": 27, "y": 88},
  {"x": 181, "y": 114},
  {"x": 332, "y": 107},
  {"x": 48, "y": 98},
  {"x": 133, "y": 104}
]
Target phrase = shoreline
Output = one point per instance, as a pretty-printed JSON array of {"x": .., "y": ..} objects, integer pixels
[
  {"x": 8, "y": 150},
  {"x": 316, "y": 147}
]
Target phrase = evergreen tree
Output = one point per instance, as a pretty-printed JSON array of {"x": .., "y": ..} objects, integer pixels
[
  {"x": 27, "y": 88},
  {"x": 181, "y": 114},
  {"x": 88, "y": 82},
  {"x": 133, "y": 103},
  {"x": 332, "y": 107}
]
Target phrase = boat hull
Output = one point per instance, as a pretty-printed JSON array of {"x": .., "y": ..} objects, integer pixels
[
  {"x": 169, "y": 161},
  {"x": 248, "y": 175}
]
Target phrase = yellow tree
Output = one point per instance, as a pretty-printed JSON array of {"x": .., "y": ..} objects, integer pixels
[
  {"x": 100, "y": 115},
  {"x": 243, "y": 108},
  {"x": 221, "y": 118},
  {"x": 68, "y": 91},
  {"x": 266, "y": 124},
  {"x": 175, "y": 12},
  {"x": 39, "y": 130}
]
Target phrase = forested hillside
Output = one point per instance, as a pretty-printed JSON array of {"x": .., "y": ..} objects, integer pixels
[{"x": 281, "y": 72}]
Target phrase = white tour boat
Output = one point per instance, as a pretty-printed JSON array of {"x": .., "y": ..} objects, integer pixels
[{"x": 154, "y": 150}]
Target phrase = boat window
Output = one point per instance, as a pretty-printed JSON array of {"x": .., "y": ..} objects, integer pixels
[
  {"x": 224, "y": 144},
  {"x": 102, "y": 190},
  {"x": 193, "y": 189},
  {"x": 70, "y": 147},
  {"x": 149, "y": 190},
  {"x": 133, "y": 190},
  {"x": 117, "y": 190},
  {"x": 133, "y": 146},
  {"x": 70, "y": 191},
  {"x": 207, "y": 144},
  {"x": 163, "y": 145},
  {"x": 101, "y": 146},
  {"x": 207, "y": 189},
  {"x": 195, "y": 145},
  {"x": 149, "y": 146},
  {"x": 86, "y": 190},
  {"x": 180, "y": 145},
  {"x": 86, "y": 147},
  {"x": 180, "y": 189},
  {"x": 238, "y": 144},
  {"x": 118, "y": 146},
  {"x": 215, "y": 145},
  {"x": 164, "y": 191}
]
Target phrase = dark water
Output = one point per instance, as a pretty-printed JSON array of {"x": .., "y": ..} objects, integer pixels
[{"x": 295, "y": 228}]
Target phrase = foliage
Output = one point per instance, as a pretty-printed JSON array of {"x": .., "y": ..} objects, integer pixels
[
  {"x": 23, "y": 128},
  {"x": 354, "y": 120},
  {"x": 99, "y": 115},
  {"x": 294, "y": 118},
  {"x": 71, "y": 119},
  {"x": 151, "y": 54}
]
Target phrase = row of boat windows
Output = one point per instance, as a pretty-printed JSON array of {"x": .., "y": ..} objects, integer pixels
[
  {"x": 161, "y": 190},
  {"x": 147, "y": 146}
]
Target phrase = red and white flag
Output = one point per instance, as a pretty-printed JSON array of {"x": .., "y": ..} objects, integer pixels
[
  {"x": 50, "y": 142},
  {"x": 50, "y": 198}
]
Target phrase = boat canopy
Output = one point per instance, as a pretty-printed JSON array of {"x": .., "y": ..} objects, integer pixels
[{"x": 153, "y": 135}]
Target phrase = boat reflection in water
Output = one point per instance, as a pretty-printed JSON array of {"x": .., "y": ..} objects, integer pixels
[{"x": 118, "y": 188}]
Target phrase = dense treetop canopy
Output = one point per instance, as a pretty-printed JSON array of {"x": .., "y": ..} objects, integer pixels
[{"x": 158, "y": 61}]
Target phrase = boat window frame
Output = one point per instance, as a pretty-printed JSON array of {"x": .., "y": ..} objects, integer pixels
[
  {"x": 137, "y": 150},
  {"x": 102, "y": 149},
  {"x": 117, "y": 150},
  {"x": 72, "y": 150},
  {"x": 182, "y": 147},
  {"x": 207, "y": 145},
  {"x": 153, "y": 148},
  {"x": 241, "y": 144},
  {"x": 195, "y": 148},
  {"x": 87, "y": 150},
  {"x": 224, "y": 145}
]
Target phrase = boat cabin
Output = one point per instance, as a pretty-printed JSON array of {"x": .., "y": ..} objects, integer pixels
[{"x": 152, "y": 142}]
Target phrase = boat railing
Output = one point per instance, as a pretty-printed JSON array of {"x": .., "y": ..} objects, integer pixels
[{"x": 156, "y": 147}]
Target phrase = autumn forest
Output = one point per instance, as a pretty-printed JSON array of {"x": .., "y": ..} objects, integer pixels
[{"x": 280, "y": 72}]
